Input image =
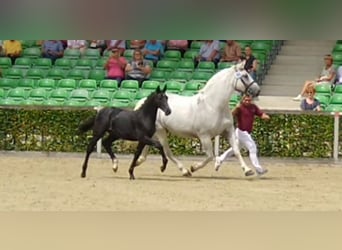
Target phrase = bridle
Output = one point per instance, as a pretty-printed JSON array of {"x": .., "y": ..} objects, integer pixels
[{"x": 239, "y": 76}]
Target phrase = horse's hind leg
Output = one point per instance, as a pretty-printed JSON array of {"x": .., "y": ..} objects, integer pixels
[
  {"x": 107, "y": 144},
  {"x": 135, "y": 158},
  {"x": 207, "y": 147},
  {"x": 143, "y": 155},
  {"x": 90, "y": 149},
  {"x": 162, "y": 137}
]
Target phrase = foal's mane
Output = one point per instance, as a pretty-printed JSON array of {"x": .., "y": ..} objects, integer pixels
[{"x": 147, "y": 100}]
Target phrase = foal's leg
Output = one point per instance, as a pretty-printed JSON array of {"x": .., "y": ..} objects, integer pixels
[
  {"x": 143, "y": 155},
  {"x": 135, "y": 158},
  {"x": 207, "y": 147},
  {"x": 233, "y": 140},
  {"x": 107, "y": 144},
  {"x": 90, "y": 149},
  {"x": 162, "y": 137}
]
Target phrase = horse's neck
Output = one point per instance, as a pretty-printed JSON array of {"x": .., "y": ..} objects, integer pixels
[
  {"x": 148, "y": 111},
  {"x": 219, "y": 91}
]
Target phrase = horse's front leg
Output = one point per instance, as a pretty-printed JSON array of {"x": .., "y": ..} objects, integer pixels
[
  {"x": 207, "y": 147},
  {"x": 234, "y": 142},
  {"x": 162, "y": 137},
  {"x": 140, "y": 147},
  {"x": 107, "y": 144}
]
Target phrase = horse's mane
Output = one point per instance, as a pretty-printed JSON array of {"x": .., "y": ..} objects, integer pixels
[{"x": 146, "y": 100}]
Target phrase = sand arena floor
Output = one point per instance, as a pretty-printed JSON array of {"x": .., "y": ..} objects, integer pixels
[{"x": 41, "y": 182}]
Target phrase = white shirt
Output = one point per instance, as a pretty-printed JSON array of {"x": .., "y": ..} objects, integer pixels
[{"x": 76, "y": 44}]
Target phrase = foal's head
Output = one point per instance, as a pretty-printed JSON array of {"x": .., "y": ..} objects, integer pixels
[{"x": 160, "y": 99}]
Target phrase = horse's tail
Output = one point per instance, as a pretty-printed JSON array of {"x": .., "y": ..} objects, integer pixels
[{"x": 87, "y": 125}]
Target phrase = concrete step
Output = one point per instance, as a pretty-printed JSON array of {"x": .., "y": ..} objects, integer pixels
[
  {"x": 323, "y": 43},
  {"x": 280, "y": 91},
  {"x": 305, "y": 51}
]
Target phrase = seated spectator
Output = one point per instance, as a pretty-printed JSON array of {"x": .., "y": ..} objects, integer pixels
[
  {"x": 181, "y": 45},
  {"x": 339, "y": 75},
  {"x": 138, "y": 69},
  {"x": 98, "y": 44},
  {"x": 137, "y": 44},
  {"x": 115, "y": 66},
  {"x": 64, "y": 43},
  {"x": 116, "y": 44},
  {"x": 251, "y": 64},
  {"x": 12, "y": 49},
  {"x": 328, "y": 75},
  {"x": 77, "y": 44},
  {"x": 310, "y": 102},
  {"x": 231, "y": 52},
  {"x": 52, "y": 49},
  {"x": 153, "y": 51},
  {"x": 209, "y": 51}
]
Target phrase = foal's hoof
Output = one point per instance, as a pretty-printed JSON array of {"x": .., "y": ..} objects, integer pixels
[
  {"x": 115, "y": 170},
  {"x": 187, "y": 174},
  {"x": 249, "y": 172},
  {"x": 192, "y": 169},
  {"x": 132, "y": 177},
  {"x": 83, "y": 175},
  {"x": 162, "y": 168}
]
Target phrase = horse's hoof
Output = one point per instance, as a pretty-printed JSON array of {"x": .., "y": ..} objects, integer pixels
[
  {"x": 249, "y": 172},
  {"x": 187, "y": 174},
  {"x": 83, "y": 175},
  {"x": 115, "y": 170},
  {"x": 162, "y": 168},
  {"x": 192, "y": 169},
  {"x": 132, "y": 177}
]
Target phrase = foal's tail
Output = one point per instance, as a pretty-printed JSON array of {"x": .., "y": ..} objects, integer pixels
[{"x": 87, "y": 125}]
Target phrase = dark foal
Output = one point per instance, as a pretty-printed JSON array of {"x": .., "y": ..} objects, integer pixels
[{"x": 138, "y": 125}]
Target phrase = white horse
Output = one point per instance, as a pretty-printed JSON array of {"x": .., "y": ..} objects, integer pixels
[{"x": 205, "y": 115}]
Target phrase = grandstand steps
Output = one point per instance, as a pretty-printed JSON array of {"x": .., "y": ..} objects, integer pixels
[{"x": 297, "y": 61}]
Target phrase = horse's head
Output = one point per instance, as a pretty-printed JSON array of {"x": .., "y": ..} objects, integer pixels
[
  {"x": 161, "y": 100},
  {"x": 244, "y": 82}
]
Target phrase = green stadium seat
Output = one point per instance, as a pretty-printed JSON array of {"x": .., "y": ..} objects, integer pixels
[
  {"x": 5, "y": 63},
  {"x": 196, "y": 45},
  {"x": 46, "y": 83},
  {"x": 26, "y": 84},
  {"x": 188, "y": 92},
  {"x": 149, "y": 84},
  {"x": 43, "y": 64},
  {"x": 33, "y": 53},
  {"x": 84, "y": 64},
  {"x": 67, "y": 84},
  {"x": 59, "y": 95},
  {"x": 35, "y": 74},
  {"x": 323, "y": 99},
  {"x": 110, "y": 85},
  {"x": 100, "y": 63},
  {"x": 51, "y": 102},
  {"x": 8, "y": 83},
  {"x": 201, "y": 76},
  {"x": 56, "y": 74},
  {"x": 77, "y": 74},
  {"x": 192, "y": 86},
  {"x": 333, "y": 108},
  {"x": 224, "y": 65},
  {"x": 2, "y": 93},
  {"x": 206, "y": 66},
  {"x": 158, "y": 75},
  {"x": 63, "y": 63},
  {"x": 143, "y": 93},
  {"x": 38, "y": 95},
  {"x": 174, "y": 86},
  {"x": 181, "y": 76},
  {"x": 128, "y": 54},
  {"x": 23, "y": 63},
  {"x": 79, "y": 95},
  {"x": 120, "y": 103},
  {"x": 323, "y": 89},
  {"x": 14, "y": 73},
  {"x": 190, "y": 55},
  {"x": 336, "y": 99},
  {"x": 97, "y": 74},
  {"x": 123, "y": 94},
  {"x": 88, "y": 84},
  {"x": 92, "y": 54},
  {"x": 131, "y": 85},
  {"x": 17, "y": 94},
  {"x": 338, "y": 88},
  {"x": 172, "y": 55},
  {"x": 186, "y": 65},
  {"x": 72, "y": 54},
  {"x": 101, "y": 96},
  {"x": 166, "y": 65}
]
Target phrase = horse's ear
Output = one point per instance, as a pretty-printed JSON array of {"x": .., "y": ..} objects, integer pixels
[
  {"x": 158, "y": 89},
  {"x": 165, "y": 88}
]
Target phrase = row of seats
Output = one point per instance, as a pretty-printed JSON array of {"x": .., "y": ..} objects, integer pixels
[
  {"x": 330, "y": 98},
  {"x": 25, "y": 91}
]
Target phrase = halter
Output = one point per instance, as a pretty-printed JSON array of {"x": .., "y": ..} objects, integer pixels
[{"x": 238, "y": 76}]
